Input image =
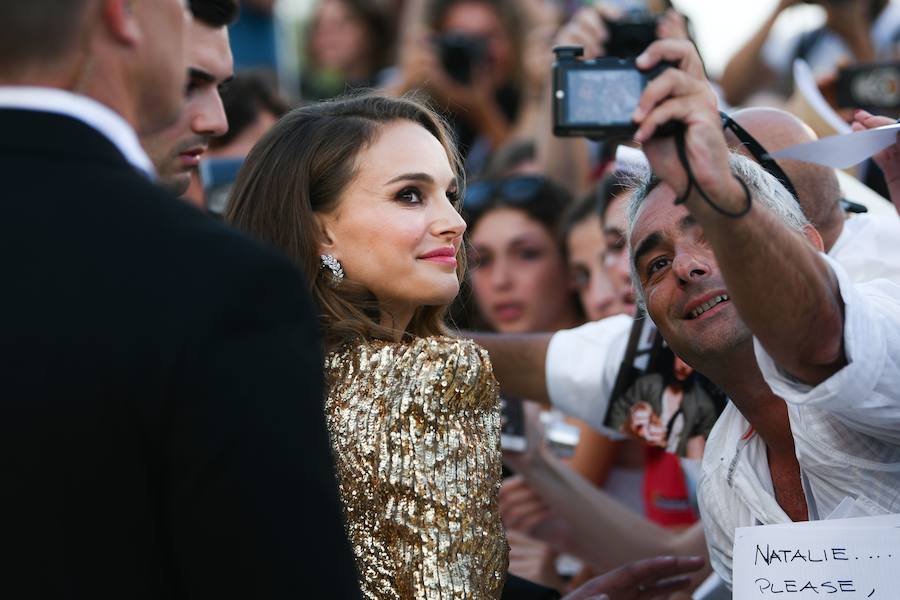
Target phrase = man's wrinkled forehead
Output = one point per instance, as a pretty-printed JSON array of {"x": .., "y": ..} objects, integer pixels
[{"x": 658, "y": 219}]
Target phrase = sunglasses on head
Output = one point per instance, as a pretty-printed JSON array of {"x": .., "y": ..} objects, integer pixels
[
  {"x": 514, "y": 190},
  {"x": 759, "y": 152}
]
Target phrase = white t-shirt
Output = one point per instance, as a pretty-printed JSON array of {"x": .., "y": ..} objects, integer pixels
[
  {"x": 582, "y": 365},
  {"x": 830, "y": 50}
]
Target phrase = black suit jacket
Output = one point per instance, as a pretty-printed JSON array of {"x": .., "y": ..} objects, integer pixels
[{"x": 161, "y": 423}]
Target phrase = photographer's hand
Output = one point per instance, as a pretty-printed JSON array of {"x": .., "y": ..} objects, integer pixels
[
  {"x": 889, "y": 159},
  {"x": 418, "y": 61},
  {"x": 672, "y": 26},
  {"x": 852, "y": 22},
  {"x": 567, "y": 160},
  {"x": 747, "y": 72},
  {"x": 420, "y": 68},
  {"x": 587, "y": 29},
  {"x": 475, "y": 102},
  {"x": 682, "y": 53}
]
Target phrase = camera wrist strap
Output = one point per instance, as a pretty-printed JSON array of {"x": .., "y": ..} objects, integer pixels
[{"x": 692, "y": 183}]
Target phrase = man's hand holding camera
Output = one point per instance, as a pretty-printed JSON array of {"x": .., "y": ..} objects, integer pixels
[
  {"x": 683, "y": 95},
  {"x": 751, "y": 247}
]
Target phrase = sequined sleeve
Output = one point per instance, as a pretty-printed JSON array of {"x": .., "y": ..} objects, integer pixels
[{"x": 415, "y": 432}]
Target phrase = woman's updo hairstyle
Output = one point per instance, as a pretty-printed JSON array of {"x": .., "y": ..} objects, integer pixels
[{"x": 301, "y": 167}]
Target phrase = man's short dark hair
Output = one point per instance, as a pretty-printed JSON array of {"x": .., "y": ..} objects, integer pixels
[
  {"x": 215, "y": 13},
  {"x": 36, "y": 31}
]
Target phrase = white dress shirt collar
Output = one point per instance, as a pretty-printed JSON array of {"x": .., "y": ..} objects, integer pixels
[{"x": 90, "y": 112}]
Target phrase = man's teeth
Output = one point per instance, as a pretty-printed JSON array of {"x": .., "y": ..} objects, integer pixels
[{"x": 708, "y": 305}]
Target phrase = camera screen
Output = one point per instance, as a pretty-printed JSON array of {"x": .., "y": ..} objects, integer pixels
[{"x": 603, "y": 97}]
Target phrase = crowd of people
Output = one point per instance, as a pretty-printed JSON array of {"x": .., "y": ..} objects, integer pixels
[{"x": 256, "y": 338}]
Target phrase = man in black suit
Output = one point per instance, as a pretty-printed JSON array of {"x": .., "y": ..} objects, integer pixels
[{"x": 161, "y": 423}]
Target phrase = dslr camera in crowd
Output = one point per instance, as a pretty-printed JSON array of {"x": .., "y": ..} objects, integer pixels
[
  {"x": 630, "y": 35},
  {"x": 596, "y": 98},
  {"x": 461, "y": 54}
]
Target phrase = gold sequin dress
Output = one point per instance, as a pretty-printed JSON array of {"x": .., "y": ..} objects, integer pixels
[{"x": 415, "y": 430}]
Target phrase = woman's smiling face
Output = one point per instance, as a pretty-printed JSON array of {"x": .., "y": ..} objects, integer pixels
[{"x": 396, "y": 229}]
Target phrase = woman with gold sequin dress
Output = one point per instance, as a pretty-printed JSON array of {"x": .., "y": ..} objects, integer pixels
[{"x": 363, "y": 194}]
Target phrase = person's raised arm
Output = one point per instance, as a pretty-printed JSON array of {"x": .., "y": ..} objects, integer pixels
[
  {"x": 519, "y": 362},
  {"x": 888, "y": 160},
  {"x": 574, "y": 369},
  {"x": 784, "y": 291},
  {"x": 567, "y": 160},
  {"x": 746, "y": 72}
]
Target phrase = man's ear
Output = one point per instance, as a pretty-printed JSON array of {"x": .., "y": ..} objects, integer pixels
[
  {"x": 120, "y": 18},
  {"x": 812, "y": 234}
]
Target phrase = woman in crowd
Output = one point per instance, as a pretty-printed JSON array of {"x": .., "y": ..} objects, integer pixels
[
  {"x": 465, "y": 55},
  {"x": 594, "y": 250},
  {"x": 363, "y": 195},
  {"x": 519, "y": 275},
  {"x": 520, "y": 284},
  {"x": 349, "y": 43}
]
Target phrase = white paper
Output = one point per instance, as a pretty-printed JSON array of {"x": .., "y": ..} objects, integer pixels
[
  {"x": 843, "y": 151},
  {"x": 848, "y": 559},
  {"x": 805, "y": 84}
]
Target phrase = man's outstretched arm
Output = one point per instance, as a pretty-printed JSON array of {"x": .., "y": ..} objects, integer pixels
[{"x": 519, "y": 362}]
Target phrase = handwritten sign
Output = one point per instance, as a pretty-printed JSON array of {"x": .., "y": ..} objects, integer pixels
[{"x": 827, "y": 561}]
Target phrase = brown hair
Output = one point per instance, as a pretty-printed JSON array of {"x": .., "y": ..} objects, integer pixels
[{"x": 301, "y": 167}]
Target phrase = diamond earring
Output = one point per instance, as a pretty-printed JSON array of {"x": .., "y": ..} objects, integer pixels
[{"x": 337, "y": 271}]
